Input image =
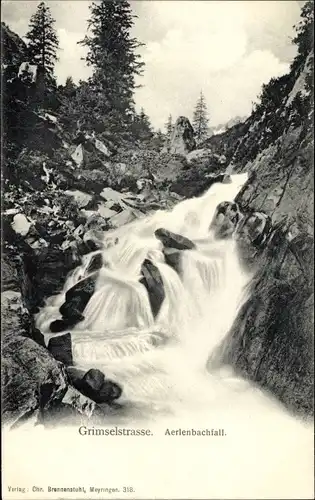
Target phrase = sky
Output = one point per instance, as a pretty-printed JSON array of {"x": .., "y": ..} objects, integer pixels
[{"x": 226, "y": 49}]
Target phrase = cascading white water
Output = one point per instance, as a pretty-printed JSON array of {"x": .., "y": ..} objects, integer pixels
[
  {"x": 161, "y": 362},
  {"x": 119, "y": 333}
]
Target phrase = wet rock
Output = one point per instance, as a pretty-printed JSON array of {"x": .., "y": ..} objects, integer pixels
[
  {"x": 182, "y": 139},
  {"x": 74, "y": 375},
  {"x": 76, "y": 301},
  {"x": 271, "y": 341},
  {"x": 94, "y": 379},
  {"x": 173, "y": 240},
  {"x": 173, "y": 258},
  {"x": 51, "y": 269},
  {"x": 152, "y": 280},
  {"x": 61, "y": 348},
  {"x": 109, "y": 392},
  {"x": 225, "y": 219},
  {"x": 31, "y": 378},
  {"x": 94, "y": 385},
  {"x": 60, "y": 325},
  {"x": 95, "y": 263}
]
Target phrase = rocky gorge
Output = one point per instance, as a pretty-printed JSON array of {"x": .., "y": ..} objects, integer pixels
[{"x": 59, "y": 205}]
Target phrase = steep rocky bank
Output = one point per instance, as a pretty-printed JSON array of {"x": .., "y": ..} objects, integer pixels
[{"x": 272, "y": 341}]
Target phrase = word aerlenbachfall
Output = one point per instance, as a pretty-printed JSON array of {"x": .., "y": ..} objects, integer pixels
[{"x": 195, "y": 432}]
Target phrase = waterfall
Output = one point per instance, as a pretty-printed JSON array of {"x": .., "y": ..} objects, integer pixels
[
  {"x": 161, "y": 362},
  {"x": 156, "y": 358}
]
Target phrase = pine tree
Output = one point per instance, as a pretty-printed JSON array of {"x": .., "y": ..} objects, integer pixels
[
  {"x": 169, "y": 126},
  {"x": 158, "y": 140},
  {"x": 43, "y": 41},
  {"x": 304, "y": 37},
  {"x": 141, "y": 126},
  {"x": 200, "y": 119},
  {"x": 112, "y": 54},
  {"x": 69, "y": 88}
]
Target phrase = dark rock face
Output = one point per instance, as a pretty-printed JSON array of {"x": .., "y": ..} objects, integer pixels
[
  {"x": 271, "y": 340},
  {"x": 16, "y": 319},
  {"x": 61, "y": 348},
  {"x": 252, "y": 235},
  {"x": 225, "y": 220},
  {"x": 173, "y": 258},
  {"x": 173, "y": 240},
  {"x": 95, "y": 263},
  {"x": 255, "y": 229},
  {"x": 152, "y": 280},
  {"x": 76, "y": 301},
  {"x": 9, "y": 276},
  {"x": 53, "y": 266},
  {"x": 94, "y": 385},
  {"x": 31, "y": 379},
  {"x": 182, "y": 140}
]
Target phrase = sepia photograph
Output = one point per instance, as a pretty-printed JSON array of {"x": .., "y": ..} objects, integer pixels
[{"x": 157, "y": 182}]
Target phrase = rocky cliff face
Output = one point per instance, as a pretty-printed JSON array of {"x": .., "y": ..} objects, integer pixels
[{"x": 271, "y": 341}]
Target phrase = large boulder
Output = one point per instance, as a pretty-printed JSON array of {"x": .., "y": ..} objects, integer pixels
[
  {"x": 96, "y": 262},
  {"x": 173, "y": 240},
  {"x": 31, "y": 378},
  {"x": 94, "y": 385},
  {"x": 76, "y": 301},
  {"x": 252, "y": 234},
  {"x": 152, "y": 280},
  {"x": 61, "y": 348},
  {"x": 225, "y": 220},
  {"x": 51, "y": 269},
  {"x": 173, "y": 258},
  {"x": 182, "y": 139}
]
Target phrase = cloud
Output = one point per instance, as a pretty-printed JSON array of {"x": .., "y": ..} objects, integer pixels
[
  {"x": 211, "y": 46},
  {"x": 70, "y": 55}
]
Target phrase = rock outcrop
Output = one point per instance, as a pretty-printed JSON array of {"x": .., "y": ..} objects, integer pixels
[
  {"x": 225, "y": 220},
  {"x": 94, "y": 385},
  {"x": 173, "y": 240},
  {"x": 76, "y": 301},
  {"x": 152, "y": 280},
  {"x": 31, "y": 378},
  {"x": 182, "y": 140}
]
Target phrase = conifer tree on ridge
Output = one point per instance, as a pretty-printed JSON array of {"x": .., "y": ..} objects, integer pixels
[{"x": 200, "y": 119}]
